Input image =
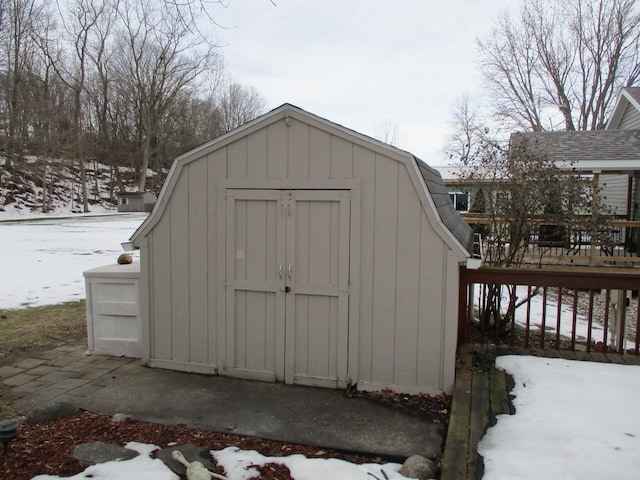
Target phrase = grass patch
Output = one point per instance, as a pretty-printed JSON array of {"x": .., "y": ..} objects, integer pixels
[{"x": 37, "y": 328}]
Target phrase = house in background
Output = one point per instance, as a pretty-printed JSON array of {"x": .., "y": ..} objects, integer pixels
[
  {"x": 611, "y": 156},
  {"x": 136, "y": 201}
]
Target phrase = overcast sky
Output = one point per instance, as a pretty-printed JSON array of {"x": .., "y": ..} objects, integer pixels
[{"x": 361, "y": 63}]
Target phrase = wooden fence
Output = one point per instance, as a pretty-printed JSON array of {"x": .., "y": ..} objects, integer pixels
[{"x": 560, "y": 309}]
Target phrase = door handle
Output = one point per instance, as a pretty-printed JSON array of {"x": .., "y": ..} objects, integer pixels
[
  {"x": 290, "y": 271},
  {"x": 280, "y": 267}
]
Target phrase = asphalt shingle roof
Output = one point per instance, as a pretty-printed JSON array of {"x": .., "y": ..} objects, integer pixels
[
  {"x": 448, "y": 214},
  {"x": 596, "y": 145}
]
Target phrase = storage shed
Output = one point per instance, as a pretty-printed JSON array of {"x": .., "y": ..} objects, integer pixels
[
  {"x": 136, "y": 201},
  {"x": 293, "y": 249}
]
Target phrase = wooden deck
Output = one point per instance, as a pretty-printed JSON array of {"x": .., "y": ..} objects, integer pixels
[{"x": 480, "y": 393}]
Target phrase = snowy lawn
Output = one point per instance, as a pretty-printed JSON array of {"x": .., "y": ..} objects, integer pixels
[
  {"x": 574, "y": 420},
  {"x": 44, "y": 258}
]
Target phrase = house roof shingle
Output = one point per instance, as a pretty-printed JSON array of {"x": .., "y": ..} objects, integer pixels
[{"x": 603, "y": 150}]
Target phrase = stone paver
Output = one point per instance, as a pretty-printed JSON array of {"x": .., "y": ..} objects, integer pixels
[
  {"x": 56, "y": 376},
  {"x": 42, "y": 370},
  {"x": 19, "y": 379},
  {"x": 28, "y": 363},
  {"x": 92, "y": 373},
  {"x": 32, "y": 386},
  {"x": 9, "y": 371}
]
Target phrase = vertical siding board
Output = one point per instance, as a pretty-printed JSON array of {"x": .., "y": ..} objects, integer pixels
[
  {"x": 384, "y": 269},
  {"x": 277, "y": 150},
  {"x": 431, "y": 310},
  {"x": 237, "y": 159},
  {"x": 301, "y": 336},
  {"x": 407, "y": 282},
  {"x": 255, "y": 336},
  {"x": 347, "y": 251},
  {"x": 449, "y": 336},
  {"x": 298, "y": 150},
  {"x": 319, "y": 154},
  {"x": 160, "y": 245},
  {"x": 364, "y": 168},
  {"x": 180, "y": 269},
  {"x": 198, "y": 263},
  {"x": 256, "y": 158},
  {"x": 341, "y": 158},
  {"x": 216, "y": 169}
]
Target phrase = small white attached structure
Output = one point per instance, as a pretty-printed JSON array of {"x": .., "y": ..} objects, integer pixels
[
  {"x": 295, "y": 250},
  {"x": 113, "y": 310}
]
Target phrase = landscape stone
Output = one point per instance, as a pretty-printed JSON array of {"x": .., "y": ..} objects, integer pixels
[
  {"x": 100, "y": 452},
  {"x": 52, "y": 411},
  {"x": 417, "y": 466},
  {"x": 190, "y": 451},
  {"x": 121, "y": 418}
]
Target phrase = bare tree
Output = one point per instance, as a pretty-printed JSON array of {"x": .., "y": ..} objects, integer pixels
[
  {"x": 525, "y": 196},
  {"x": 561, "y": 63},
  {"x": 467, "y": 133},
  {"x": 388, "y": 132},
  {"x": 238, "y": 104},
  {"x": 159, "y": 60},
  {"x": 18, "y": 27}
]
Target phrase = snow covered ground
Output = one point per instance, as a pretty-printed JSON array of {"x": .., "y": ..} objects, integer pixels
[
  {"x": 44, "y": 258},
  {"x": 574, "y": 420},
  {"x": 239, "y": 465}
]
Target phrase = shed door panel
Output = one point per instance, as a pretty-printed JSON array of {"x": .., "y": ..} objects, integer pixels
[
  {"x": 287, "y": 285},
  {"x": 255, "y": 309},
  {"x": 317, "y": 307}
]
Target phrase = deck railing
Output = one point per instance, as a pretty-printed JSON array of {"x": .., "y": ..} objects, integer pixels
[
  {"x": 573, "y": 244},
  {"x": 551, "y": 309}
]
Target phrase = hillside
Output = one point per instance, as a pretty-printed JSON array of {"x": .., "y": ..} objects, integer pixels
[{"x": 34, "y": 187}]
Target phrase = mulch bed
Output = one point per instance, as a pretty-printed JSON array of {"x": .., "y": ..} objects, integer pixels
[{"x": 46, "y": 448}]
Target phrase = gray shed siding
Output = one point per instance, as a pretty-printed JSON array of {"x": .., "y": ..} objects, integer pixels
[{"x": 403, "y": 273}]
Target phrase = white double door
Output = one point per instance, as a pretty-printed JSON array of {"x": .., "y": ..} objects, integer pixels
[{"x": 287, "y": 285}]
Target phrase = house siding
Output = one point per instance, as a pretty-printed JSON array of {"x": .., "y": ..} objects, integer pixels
[
  {"x": 630, "y": 119},
  {"x": 615, "y": 190},
  {"x": 400, "y": 306}
]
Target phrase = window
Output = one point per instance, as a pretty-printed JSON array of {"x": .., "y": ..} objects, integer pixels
[{"x": 460, "y": 201}]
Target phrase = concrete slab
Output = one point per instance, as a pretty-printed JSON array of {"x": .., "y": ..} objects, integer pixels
[{"x": 289, "y": 413}]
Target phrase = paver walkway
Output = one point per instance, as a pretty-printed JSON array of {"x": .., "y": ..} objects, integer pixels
[
  {"x": 290, "y": 413},
  {"x": 63, "y": 373}
]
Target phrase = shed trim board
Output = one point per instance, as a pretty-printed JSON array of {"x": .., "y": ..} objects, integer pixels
[{"x": 294, "y": 249}]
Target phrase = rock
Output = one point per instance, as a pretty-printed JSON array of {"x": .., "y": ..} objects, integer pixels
[
  {"x": 100, "y": 452},
  {"x": 120, "y": 418},
  {"x": 191, "y": 452},
  {"x": 52, "y": 411},
  {"x": 417, "y": 466},
  {"x": 125, "y": 259}
]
